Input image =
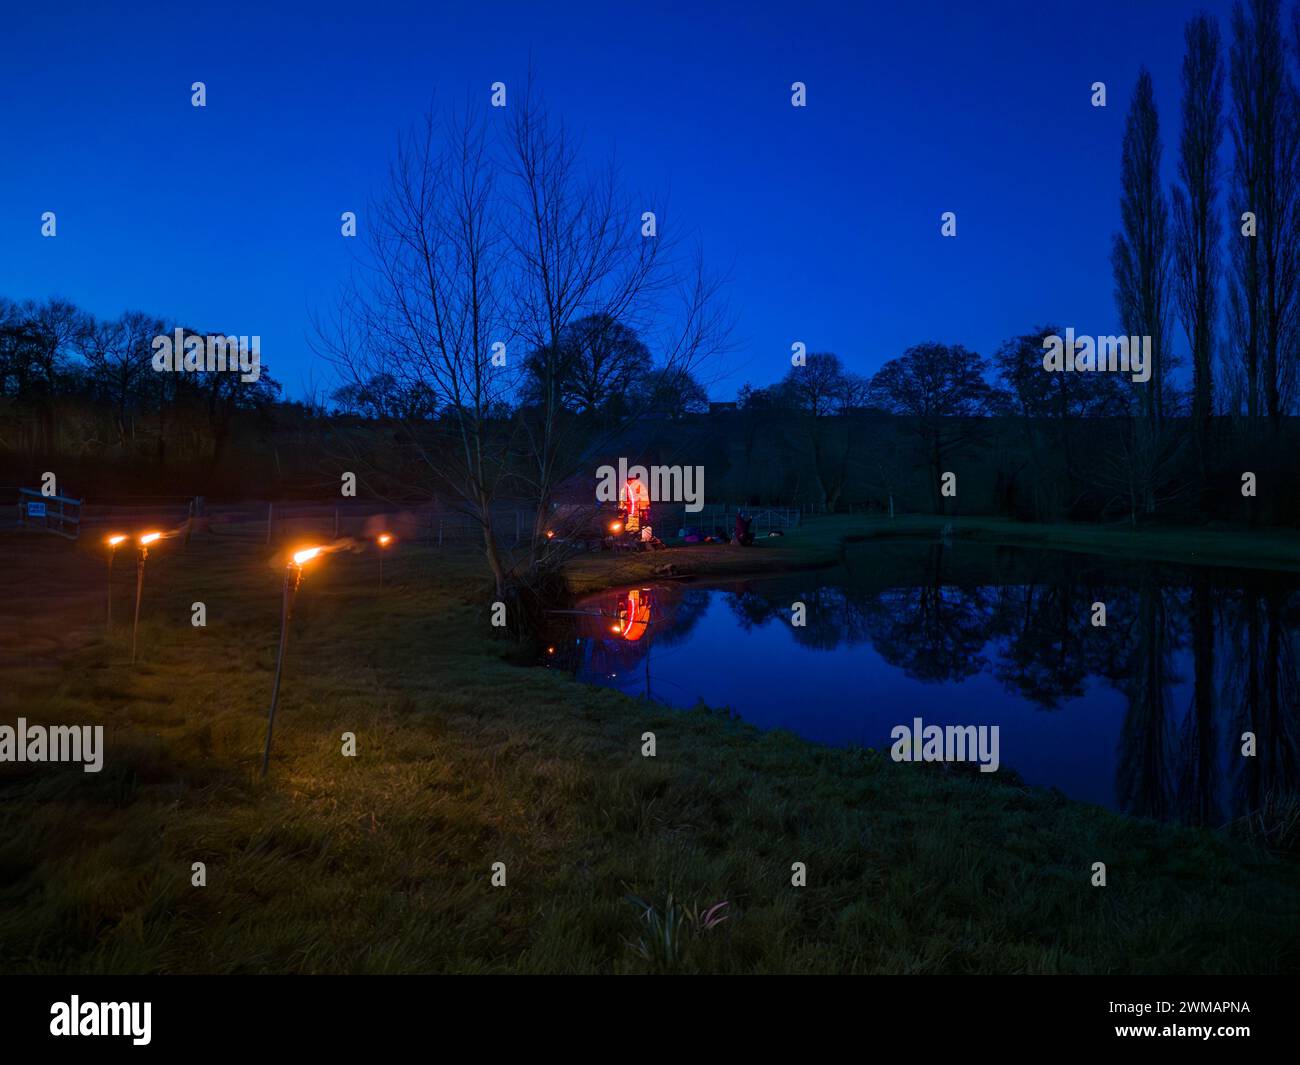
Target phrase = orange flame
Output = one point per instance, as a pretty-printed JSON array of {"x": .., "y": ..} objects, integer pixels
[
  {"x": 385, "y": 540},
  {"x": 149, "y": 538},
  {"x": 305, "y": 555},
  {"x": 114, "y": 540}
]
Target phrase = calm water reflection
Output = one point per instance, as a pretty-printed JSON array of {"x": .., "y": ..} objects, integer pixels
[{"x": 1144, "y": 715}]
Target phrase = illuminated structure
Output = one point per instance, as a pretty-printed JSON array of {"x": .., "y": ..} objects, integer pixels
[
  {"x": 634, "y": 505},
  {"x": 634, "y": 614}
]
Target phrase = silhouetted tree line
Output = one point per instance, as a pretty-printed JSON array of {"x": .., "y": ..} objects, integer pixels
[
  {"x": 72, "y": 384},
  {"x": 1161, "y": 448},
  {"x": 492, "y": 233}
]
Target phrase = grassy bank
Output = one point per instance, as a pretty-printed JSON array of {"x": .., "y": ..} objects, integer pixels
[
  {"x": 820, "y": 541},
  {"x": 383, "y": 862}
]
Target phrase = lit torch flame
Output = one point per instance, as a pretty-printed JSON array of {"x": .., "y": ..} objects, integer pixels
[
  {"x": 305, "y": 555},
  {"x": 615, "y": 526},
  {"x": 113, "y": 541},
  {"x": 385, "y": 540},
  {"x": 149, "y": 538}
]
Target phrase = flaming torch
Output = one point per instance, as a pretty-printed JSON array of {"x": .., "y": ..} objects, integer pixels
[
  {"x": 292, "y": 578},
  {"x": 143, "y": 543},
  {"x": 383, "y": 540},
  {"x": 112, "y": 542}
]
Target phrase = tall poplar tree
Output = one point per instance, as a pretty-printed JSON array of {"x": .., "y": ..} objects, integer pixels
[
  {"x": 1140, "y": 257},
  {"x": 1197, "y": 225}
]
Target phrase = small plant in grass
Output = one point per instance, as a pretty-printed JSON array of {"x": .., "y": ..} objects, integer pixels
[
  {"x": 708, "y": 919},
  {"x": 666, "y": 939}
]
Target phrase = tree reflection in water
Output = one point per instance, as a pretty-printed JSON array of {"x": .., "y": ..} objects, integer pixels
[{"x": 1198, "y": 656}]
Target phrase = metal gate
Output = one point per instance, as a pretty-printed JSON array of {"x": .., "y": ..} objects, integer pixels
[{"x": 56, "y": 514}]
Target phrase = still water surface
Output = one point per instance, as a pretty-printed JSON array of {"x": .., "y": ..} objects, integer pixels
[{"x": 1144, "y": 715}]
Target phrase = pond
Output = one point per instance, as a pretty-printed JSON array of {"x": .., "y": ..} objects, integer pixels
[{"x": 1144, "y": 714}]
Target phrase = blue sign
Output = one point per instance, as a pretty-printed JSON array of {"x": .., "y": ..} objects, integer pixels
[{"x": 36, "y": 510}]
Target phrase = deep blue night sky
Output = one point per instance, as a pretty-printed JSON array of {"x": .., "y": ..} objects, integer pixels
[{"x": 227, "y": 218}]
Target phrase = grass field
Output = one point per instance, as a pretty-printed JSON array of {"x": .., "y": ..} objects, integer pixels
[{"x": 383, "y": 862}]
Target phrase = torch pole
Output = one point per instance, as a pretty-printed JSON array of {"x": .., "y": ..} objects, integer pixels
[
  {"x": 108, "y": 626},
  {"x": 139, "y": 589},
  {"x": 291, "y": 577}
]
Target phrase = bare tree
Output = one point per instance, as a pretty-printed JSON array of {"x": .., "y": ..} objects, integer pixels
[
  {"x": 600, "y": 364},
  {"x": 1197, "y": 228},
  {"x": 1141, "y": 263},
  {"x": 579, "y": 252},
  {"x": 118, "y": 354},
  {"x": 427, "y": 311},
  {"x": 942, "y": 391},
  {"x": 1140, "y": 257},
  {"x": 16, "y": 343},
  {"x": 828, "y": 399},
  {"x": 52, "y": 330},
  {"x": 1263, "y": 122},
  {"x": 1051, "y": 408},
  {"x": 489, "y": 241}
]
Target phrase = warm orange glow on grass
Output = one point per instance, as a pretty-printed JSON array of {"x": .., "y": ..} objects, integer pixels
[
  {"x": 149, "y": 538},
  {"x": 114, "y": 540},
  {"x": 305, "y": 555}
]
